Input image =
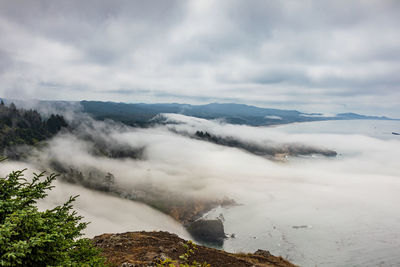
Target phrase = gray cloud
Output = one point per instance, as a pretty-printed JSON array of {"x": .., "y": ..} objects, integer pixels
[{"x": 284, "y": 54}]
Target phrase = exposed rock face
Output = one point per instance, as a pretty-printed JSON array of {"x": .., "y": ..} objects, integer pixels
[
  {"x": 135, "y": 249},
  {"x": 207, "y": 231},
  {"x": 262, "y": 252}
]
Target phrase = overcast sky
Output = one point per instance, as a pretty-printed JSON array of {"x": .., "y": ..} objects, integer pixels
[{"x": 314, "y": 56}]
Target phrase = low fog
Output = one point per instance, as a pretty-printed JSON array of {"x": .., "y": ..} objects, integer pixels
[
  {"x": 106, "y": 214},
  {"x": 309, "y": 208}
]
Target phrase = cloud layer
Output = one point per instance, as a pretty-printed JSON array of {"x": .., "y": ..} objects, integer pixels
[
  {"x": 348, "y": 204},
  {"x": 330, "y": 56},
  {"x": 345, "y": 207}
]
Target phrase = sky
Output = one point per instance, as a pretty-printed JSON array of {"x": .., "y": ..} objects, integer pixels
[{"x": 313, "y": 56}]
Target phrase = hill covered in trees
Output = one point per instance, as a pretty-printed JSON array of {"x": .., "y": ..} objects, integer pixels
[
  {"x": 141, "y": 114},
  {"x": 272, "y": 152},
  {"x": 26, "y": 127},
  {"x": 144, "y": 115}
]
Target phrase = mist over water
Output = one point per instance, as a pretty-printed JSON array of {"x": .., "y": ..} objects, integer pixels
[
  {"x": 325, "y": 212},
  {"x": 314, "y": 210}
]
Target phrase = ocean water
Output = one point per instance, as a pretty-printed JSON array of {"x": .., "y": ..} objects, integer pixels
[
  {"x": 317, "y": 211},
  {"x": 381, "y": 129}
]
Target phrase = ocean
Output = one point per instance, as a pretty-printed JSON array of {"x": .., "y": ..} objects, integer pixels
[{"x": 318, "y": 211}]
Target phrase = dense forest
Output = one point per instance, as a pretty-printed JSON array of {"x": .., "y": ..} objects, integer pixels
[{"x": 20, "y": 127}]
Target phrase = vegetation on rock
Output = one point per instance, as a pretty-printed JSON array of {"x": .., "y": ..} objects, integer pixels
[
  {"x": 190, "y": 250},
  {"x": 135, "y": 249}
]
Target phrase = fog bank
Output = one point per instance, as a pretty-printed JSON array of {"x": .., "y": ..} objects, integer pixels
[{"x": 312, "y": 209}]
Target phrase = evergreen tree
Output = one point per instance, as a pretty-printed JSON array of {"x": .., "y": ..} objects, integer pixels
[
  {"x": 29, "y": 237},
  {"x": 19, "y": 126}
]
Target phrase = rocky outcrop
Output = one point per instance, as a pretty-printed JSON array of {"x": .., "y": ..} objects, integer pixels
[
  {"x": 135, "y": 249},
  {"x": 207, "y": 231}
]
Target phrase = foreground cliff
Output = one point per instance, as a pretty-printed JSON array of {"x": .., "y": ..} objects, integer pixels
[{"x": 147, "y": 248}]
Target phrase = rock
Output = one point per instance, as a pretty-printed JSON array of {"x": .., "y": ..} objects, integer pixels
[
  {"x": 207, "y": 231},
  {"x": 150, "y": 256},
  {"x": 142, "y": 249},
  {"x": 264, "y": 253},
  {"x": 163, "y": 257},
  {"x": 118, "y": 245}
]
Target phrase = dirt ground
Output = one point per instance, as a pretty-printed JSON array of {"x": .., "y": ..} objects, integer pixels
[{"x": 135, "y": 249}]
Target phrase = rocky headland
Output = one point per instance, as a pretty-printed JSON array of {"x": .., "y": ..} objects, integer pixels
[{"x": 139, "y": 249}]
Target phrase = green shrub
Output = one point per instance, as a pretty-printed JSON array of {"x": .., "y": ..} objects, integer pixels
[
  {"x": 29, "y": 237},
  {"x": 190, "y": 249}
]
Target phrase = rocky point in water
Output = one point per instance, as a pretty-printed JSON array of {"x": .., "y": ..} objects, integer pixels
[{"x": 211, "y": 231}]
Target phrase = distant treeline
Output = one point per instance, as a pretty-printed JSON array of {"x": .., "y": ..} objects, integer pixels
[
  {"x": 19, "y": 126},
  {"x": 265, "y": 150}
]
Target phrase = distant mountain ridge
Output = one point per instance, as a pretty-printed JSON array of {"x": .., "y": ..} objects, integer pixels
[{"x": 141, "y": 113}]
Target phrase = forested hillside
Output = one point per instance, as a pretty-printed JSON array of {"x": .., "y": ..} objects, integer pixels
[
  {"x": 140, "y": 114},
  {"x": 19, "y": 126}
]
